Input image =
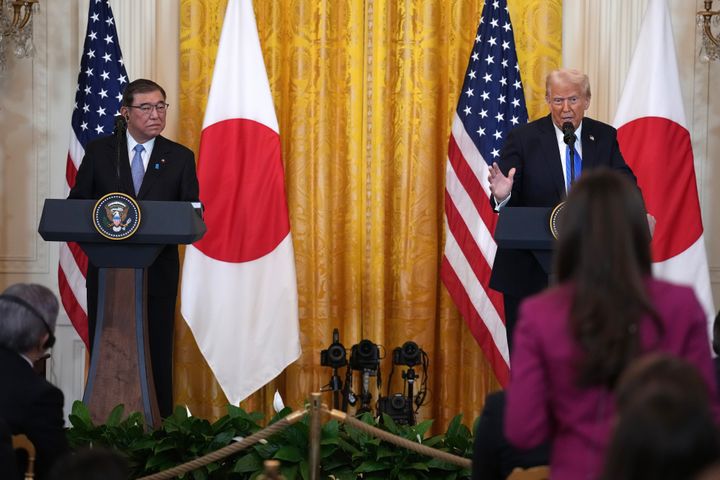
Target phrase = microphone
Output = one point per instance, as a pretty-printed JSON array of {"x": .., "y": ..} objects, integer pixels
[
  {"x": 569, "y": 138},
  {"x": 568, "y": 130},
  {"x": 120, "y": 125}
]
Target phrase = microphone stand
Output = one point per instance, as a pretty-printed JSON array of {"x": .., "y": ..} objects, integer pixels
[
  {"x": 572, "y": 161},
  {"x": 120, "y": 126},
  {"x": 569, "y": 138}
]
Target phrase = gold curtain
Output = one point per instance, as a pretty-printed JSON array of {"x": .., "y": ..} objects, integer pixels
[{"x": 364, "y": 92}]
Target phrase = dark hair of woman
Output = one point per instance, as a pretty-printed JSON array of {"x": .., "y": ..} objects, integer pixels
[{"x": 603, "y": 250}]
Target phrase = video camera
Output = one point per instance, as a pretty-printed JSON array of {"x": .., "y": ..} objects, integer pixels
[
  {"x": 365, "y": 356},
  {"x": 409, "y": 354},
  {"x": 335, "y": 355},
  {"x": 398, "y": 407}
]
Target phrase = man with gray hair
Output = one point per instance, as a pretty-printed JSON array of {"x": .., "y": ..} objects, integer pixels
[
  {"x": 29, "y": 404},
  {"x": 536, "y": 167}
]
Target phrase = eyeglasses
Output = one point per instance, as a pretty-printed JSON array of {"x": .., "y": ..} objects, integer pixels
[
  {"x": 559, "y": 101},
  {"x": 147, "y": 108}
]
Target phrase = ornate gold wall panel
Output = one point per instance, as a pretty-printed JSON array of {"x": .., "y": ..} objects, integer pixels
[{"x": 364, "y": 92}]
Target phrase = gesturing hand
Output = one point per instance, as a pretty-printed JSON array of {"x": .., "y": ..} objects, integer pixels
[{"x": 500, "y": 185}]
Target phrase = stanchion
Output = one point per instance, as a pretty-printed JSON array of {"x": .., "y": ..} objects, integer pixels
[{"x": 315, "y": 426}]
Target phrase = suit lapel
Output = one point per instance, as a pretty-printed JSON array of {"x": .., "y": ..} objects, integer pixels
[
  {"x": 155, "y": 166},
  {"x": 589, "y": 145},
  {"x": 551, "y": 154}
]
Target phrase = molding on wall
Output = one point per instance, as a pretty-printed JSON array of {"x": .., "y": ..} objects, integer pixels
[{"x": 26, "y": 126}]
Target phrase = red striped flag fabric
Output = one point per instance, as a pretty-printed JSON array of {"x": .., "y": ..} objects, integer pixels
[
  {"x": 101, "y": 80},
  {"x": 491, "y": 103}
]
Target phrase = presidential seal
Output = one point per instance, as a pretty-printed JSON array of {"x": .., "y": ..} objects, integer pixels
[
  {"x": 116, "y": 216},
  {"x": 556, "y": 219}
]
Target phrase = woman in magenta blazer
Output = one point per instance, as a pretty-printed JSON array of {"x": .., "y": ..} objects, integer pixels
[{"x": 573, "y": 340}]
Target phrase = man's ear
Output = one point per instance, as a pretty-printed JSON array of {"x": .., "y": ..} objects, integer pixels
[
  {"x": 125, "y": 113},
  {"x": 43, "y": 341}
]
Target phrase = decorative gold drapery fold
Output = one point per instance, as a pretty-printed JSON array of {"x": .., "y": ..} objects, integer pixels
[{"x": 364, "y": 92}]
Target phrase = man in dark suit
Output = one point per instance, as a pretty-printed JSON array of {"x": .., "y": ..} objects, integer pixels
[
  {"x": 493, "y": 456},
  {"x": 143, "y": 164},
  {"x": 29, "y": 404},
  {"x": 535, "y": 171}
]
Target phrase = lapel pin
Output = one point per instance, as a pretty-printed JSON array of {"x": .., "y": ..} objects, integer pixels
[
  {"x": 592, "y": 138},
  {"x": 157, "y": 166}
]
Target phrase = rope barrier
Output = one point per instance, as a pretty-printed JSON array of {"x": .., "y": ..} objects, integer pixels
[
  {"x": 228, "y": 450},
  {"x": 294, "y": 417}
]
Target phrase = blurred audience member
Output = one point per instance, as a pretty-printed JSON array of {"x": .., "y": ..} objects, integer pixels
[
  {"x": 665, "y": 428},
  {"x": 573, "y": 341},
  {"x": 29, "y": 404},
  {"x": 493, "y": 457},
  {"x": 91, "y": 464}
]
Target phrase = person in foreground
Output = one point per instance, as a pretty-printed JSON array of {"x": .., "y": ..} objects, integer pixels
[
  {"x": 29, "y": 404},
  {"x": 493, "y": 457},
  {"x": 665, "y": 428},
  {"x": 97, "y": 463},
  {"x": 574, "y": 340},
  {"x": 140, "y": 162}
]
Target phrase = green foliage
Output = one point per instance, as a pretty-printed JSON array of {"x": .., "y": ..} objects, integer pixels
[{"x": 346, "y": 453}]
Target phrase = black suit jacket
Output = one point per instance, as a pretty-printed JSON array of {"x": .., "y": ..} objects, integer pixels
[
  {"x": 532, "y": 150},
  {"x": 493, "y": 457},
  {"x": 31, "y": 405},
  {"x": 170, "y": 176}
]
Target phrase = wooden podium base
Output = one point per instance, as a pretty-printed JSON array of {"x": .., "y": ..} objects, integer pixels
[
  {"x": 120, "y": 367},
  {"x": 120, "y": 370}
]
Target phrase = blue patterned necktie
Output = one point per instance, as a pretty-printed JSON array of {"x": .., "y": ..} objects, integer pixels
[
  {"x": 138, "y": 170},
  {"x": 578, "y": 166}
]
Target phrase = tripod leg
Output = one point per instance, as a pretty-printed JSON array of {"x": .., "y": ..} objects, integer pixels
[{"x": 410, "y": 396}]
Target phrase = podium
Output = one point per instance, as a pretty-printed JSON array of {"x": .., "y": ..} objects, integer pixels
[
  {"x": 120, "y": 365},
  {"x": 527, "y": 228}
]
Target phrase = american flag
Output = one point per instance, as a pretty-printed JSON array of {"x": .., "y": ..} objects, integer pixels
[
  {"x": 101, "y": 81},
  {"x": 491, "y": 103}
]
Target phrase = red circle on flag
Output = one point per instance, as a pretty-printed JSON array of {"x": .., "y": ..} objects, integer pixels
[
  {"x": 242, "y": 187},
  {"x": 660, "y": 154}
]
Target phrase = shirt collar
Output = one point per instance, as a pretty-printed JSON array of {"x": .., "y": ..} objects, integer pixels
[
  {"x": 560, "y": 136},
  {"x": 27, "y": 359},
  {"x": 132, "y": 142}
]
